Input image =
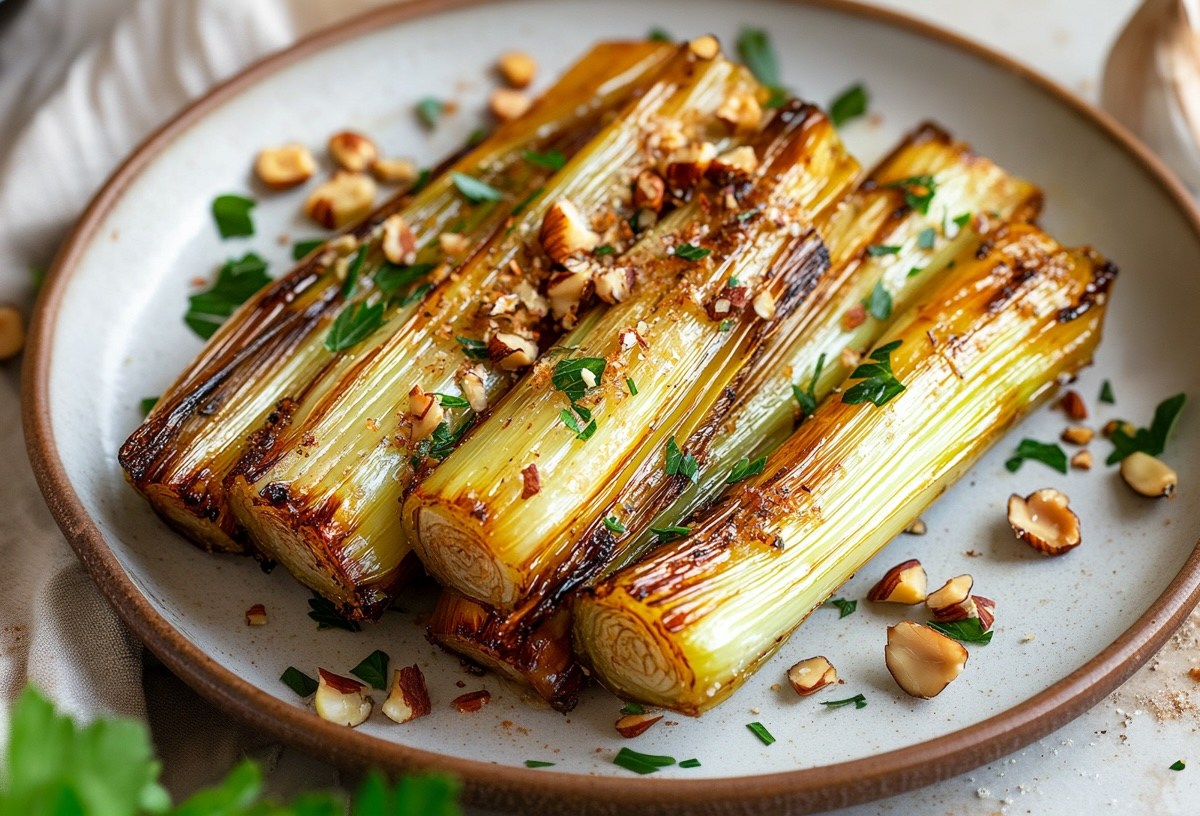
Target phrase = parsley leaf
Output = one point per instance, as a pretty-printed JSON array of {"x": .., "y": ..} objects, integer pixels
[
  {"x": 353, "y": 271},
  {"x": 961, "y": 221},
  {"x": 877, "y": 250},
  {"x": 849, "y": 104},
  {"x": 1048, "y": 453},
  {"x": 691, "y": 252},
  {"x": 657, "y": 34},
  {"x": 1152, "y": 440},
  {"x": 147, "y": 404},
  {"x": 680, "y": 463},
  {"x": 633, "y": 708},
  {"x": 807, "y": 397},
  {"x": 879, "y": 304},
  {"x": 1177, "y": 765},
  {"x": 232, "y": 215},
  {"x": 879, "y": 385},
  {"x": 641, "y": 763},
  {"x": 632, "y": 386},
  {"x": 442, "y": 442},
  {"x": 429, "y": 111},
  {"x": 858, "y": 701},
  {"x": 327, "y": 615},
  {"x": 551, "y": 159},
  {"x": 745, "y": 468},
  {"x": 298, "y": 681},
  {"x": 1106, "y": 393},
  {"x": 916, "y": 270},
  {"x": 918, "y": 191},
  {"x": 689, "y": 763},
  {"x": 474, "y": 190},
  {"x": 671, "y": 533},
  {"x": 968, "y": 630},
  {"x": 472, "y": 348},
  {"x": 927, "y": 238},
  {"x": 614, "y": 525},
  {"x": 302, "y": 249},
  {"x": 354, "y": 323},
  {"x": 604, "y": 249},
  {"x": 844, "y": 607},
  {"x": 582, "y": 432},
  {"x": 538, "y": 763},
  {"x": 569, "y": 375},
  {"x": 236, "y": 283},
  {"x": 759, "y": 730},
  {"x": 754, "y": 46},
  {"x": 373, "y": 669},
  {"x": 391, "y": 278},
  {"x": 451, "y": 400}
]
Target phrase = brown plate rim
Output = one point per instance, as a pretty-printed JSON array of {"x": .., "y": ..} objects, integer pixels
[{"x": 826, "y": 787}]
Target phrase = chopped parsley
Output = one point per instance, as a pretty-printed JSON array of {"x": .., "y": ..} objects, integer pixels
[
  {"x": 657, "y": 34},
  {"x": 451, "y": 400},
  {"x": 327, "y": 615},
  {"x": 858, "y": 701},
  {"x": 391, "y": 278},
  {"x": 1177, "y": 765},
  {"x": 373, "y": 669},
  {"x": 355, "y": 323},
  {"x": 298, "y": 681},
  {"x": 302, "y": 249},
  {"x": 632, "y": 386},
  {"x": 237, "y": 281},
  {"x": 968, "y": 630},
  {"x": 879, "y": 303},
  {"x": 1048, "y": 453},
  {"x": 472, "y": 348},
  {"x": 844, "y": 607},
  {"x": 725, "y": 325},
  {"x": 604, "y": 249},
  {"x": 232, "y": 215},
  {"x": 1152, "y": 440},
  {"x": 429, "y": 111},
  {"x": 691, "y": 252},
  {"x": 744, "y": 468},
  {"x": 759, "y": 730},
  {"x": 807, "y": 397},
  {"x": 961, "y": 221},
  {"x": 474, "y": 190},
  {"x": 918, "y": 191},
  {"x": 849, "y": 104},
  {"x": 147, "y": 404},
  {"x": 571, "y": 417},
  {"x": 754, "y": 46},
  {"x": 551, "y": 159},
  {"x": 641, "y": 763},
  {"x": 442, "y": 442},
  {"x": 689, "y": 763},
  {"x": 575, "y": 376},
  {"x": 1106, "y": 393},
  {"x": 877, "y": 250},
  {"x": 927, "y": 238},
  {"x": 916, "y": 270},
  {"x": 614, "y": 525},
  {"x": 538, "y": 763},
  {"x": 675, "y": 531},
  {"x": 418, "y": 293},
  {"x": 680, "y": 463},
  {"x": 633, "y": 708},
  {"x": 353, "y": 271},
  {"x": 476, "y": 137},
  {"x": 878, "y": 384}
]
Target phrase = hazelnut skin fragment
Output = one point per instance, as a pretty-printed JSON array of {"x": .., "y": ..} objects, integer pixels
[
  {"x": 409, "y": 697},
  {"x": 922, "y": 661},
  {"x": 904, "y": 583}
]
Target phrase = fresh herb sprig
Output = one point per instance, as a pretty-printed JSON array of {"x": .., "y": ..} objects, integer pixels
[
  {"x": 918, "y": 191},
  {"x": 680, "y": 463},
  {"x": 844, "y": 607},
  {"x": 878, "y": 384},
  {"x": 858, "y": 701},
  {"x": 849, "y": 104},
  {"x": 807, "y": 397},
  {"x": 968, "y": 630},
  {"x": 1152, "y": 440},
  {"x": 1048, "y": 453},
  {"x": 236, "y": 282},
  {"x": 231, "y": 213}
]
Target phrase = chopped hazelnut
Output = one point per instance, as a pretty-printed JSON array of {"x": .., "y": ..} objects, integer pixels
[
  {"x": 648, "y": 191},
  {"x": 353, "y": 151},
  {"x": 1073, "y": 406},
  {"x": 395, "y": 171},
  {"x": 854, "y": 317},
  {"x": 343, "y": 200},
  {"x": 952, "y": 601},
  {"x": 454, "y": 244},
  {"x": 425, "y": 411},
  {"x": 1082, "y": 460},
  {"x": 472, "y": 701},
  {"x": 904, "y": 583},
  {"x": 705, "y": 47},
  {"x": 764, "y": 305},
  {"x": 473, "y": 389},
  {"x": 687, "y": 165},
  {"x": 922, "y": 661},
  {"x": 517, "y": 68},
  {"x": 613, "y": 285},
  {"x": 741, "y": 161},
  {"x": 282, "y": 167},
  {"x": 409, "y": 697},
  {"x": 531, "y": 481},
  {"x": 1078, "y": 434},
  {"x": 918, "y": 527},
  {"x": 256, "y": 615},
  {"x": 565, "y": 232},
  {"x": 1044, "y": 521},
  {"x": 1148, "y": 476},
  {"x": 1113, "y": 425},
  {"x": 399, "y": 244},
  {"x": 511, "y": 351},
  {"x": 507, "y": 104},
  {"x": 341, "y": 700},
  {"x": 811, "y": 675},
  {"x": 741, "y": 112},
  {"x": 565, "y": 292},
  {"x": 632, "y": 725}
]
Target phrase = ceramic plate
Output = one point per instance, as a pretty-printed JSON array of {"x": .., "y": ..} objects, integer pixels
[{"x": 1068, "y": 630}]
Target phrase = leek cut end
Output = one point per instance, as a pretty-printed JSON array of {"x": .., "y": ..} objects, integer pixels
[
  {"x": 210, "y": 535},
  {"x": 450, "y": 542}
]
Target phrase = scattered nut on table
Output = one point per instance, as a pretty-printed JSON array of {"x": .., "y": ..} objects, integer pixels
[
  {"x": 922, "y": 661},
  {"x": 1045, "y": 521}
]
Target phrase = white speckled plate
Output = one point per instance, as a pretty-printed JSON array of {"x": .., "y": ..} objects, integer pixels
[{"x": 109, "y": 333}]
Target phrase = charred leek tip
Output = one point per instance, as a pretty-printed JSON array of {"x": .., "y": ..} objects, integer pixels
[{"x": 683, "y": 628}]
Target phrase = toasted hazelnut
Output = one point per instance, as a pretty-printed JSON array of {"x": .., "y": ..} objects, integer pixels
[
  {"x": 764, "y": 305},
  {"x": 1082, "y": 460},
  {"x": 741, "y": 112},
  {"x": 256, "y": 615},
  {"x": 353, "y": 151},
  {"x": 811, "y": 675},
  {"x": 511, "y": 351},
  {"x": 399, "y": 243},
  {"x": 1078, "y": 434},
  {"x": 282, "y": 167},
  {"x": 705, "y": 47},
  {"x": 341, "y": 700},
  {"x": 952, "y": 601},
  {"x": 425, "y": 411},
  {"x": 632, "y": 725},
  {"x": 472, "y": 701},
  {"x": 1194, "y": 673},
  {"x": 395, "y": 171},
  {"x": 12, "y": 332},
  {"x": 473, "y": 389},
  {"x": 565, "y": 292},
  {"x": 985, "y": 611},
  {"x": 1044, "y": 521},
  {"x": 922, "y": 661},
  {"x": 613, "y": 285},
  {"x": 344, "y": 199},
  {"x": 454, "y": 245},
  {"x": 1148, "y": 476},
  {"x": 741, "y": 161},
  {"x": 517, "y": 68},
  {"x": 687, "y": 165},
  {"x": 531, "y": 299},
  {"x": 507, "y": 104},
  {"x": 648, "y": 191},
  {"x": 1073, "y": 405},
  {"x": 409, "y": 697},
  {"x": 918, "y": 527},
  {"x": 565, "y": 232},
  {"x": 904, "y": 583}
]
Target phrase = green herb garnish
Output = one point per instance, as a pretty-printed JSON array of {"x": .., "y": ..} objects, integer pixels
[
  {"x": 879, "y": 385},
  {"x": 551, "y": 159},
  {"x": 474, "y": 190},
  {"x": 879, "y": 304},
  {"x": 641, "y": 763},
  {"x": 1106, "y": 393},
  {"x": 355, "y": 323},
  {"x": 443, "y": 440},
  {"x": 1177, "y": 765},
  {"x": 582, "y": 431},
  {"x": 526, "y": 201},
  {"x": 918, "y": 191},
  {"x": 1152, "y": 440},
  {"x": 633, "y": 708},
  {"x": 418, "y": 293},
  {"x": 968, "y": 630},
  {"x": 373, "y": 669},
  {"x": 472, "y": 348},
  {"x": 237, "y": 281},
  {"x": 658, "y": 35},
  {"x": 858, "y": 701},
  {"x": 298, "y": 681},
  {"x": 391, "y": 278},
  {"x": 451, "y": 400},
  {"x": 961, "y": 221},
  {"x": 614, "y": 525},
  {"x": 232, "y": 215},
  {"x": 604, "y": 249},
  {"x": 849, "y": 104},
  {"x": 754, "y": 46},
  {"x": 725, "y": 325},
  {"x": 759, "y": 730},
  {"x": 927, "y": 238},
  {"x": 691, "y": 252},
  {"x": 689, "y": 763},
  {"x": 302, "y": 249},
  {"x": 744, "y": 468},
  {"x": 844, "y": 607},
  {"x": 147, "y": 404},
  {"x": 632, "y": 386},
  {"x": 916, "y": 270},
  {"x": 680, "y": 463},
  {"x": 807, "y": 397},
  {"x": 353, "y": 271},
  {"x": 675, "y": 531},
  {"x": 538, "y": 763},
  {"x": 429, "y": 111},
  {"x": 878, "y": 250},
  {"x": 569, "y": 376},
  {"x": 327, "y": 615},
  {"x": 1048, "y": 453}
]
